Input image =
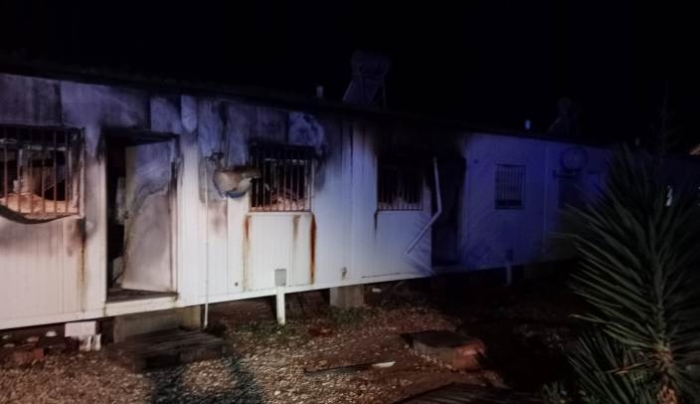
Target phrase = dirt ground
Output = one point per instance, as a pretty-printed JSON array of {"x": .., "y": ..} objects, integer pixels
[{"x": 525, "y": 330}]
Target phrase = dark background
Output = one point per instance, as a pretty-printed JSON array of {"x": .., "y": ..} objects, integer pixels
[{"x": 490, "y": 62}]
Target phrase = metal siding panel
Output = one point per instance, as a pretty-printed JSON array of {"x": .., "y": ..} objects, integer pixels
[
  {"x": 190, "y": 226},
  {"x": 300, "y": 249},
  {"x": 364, "y": 203},
  {"x": 34, "y": 267},
  {"x": 217, "y": 251},
  {"x": 331, "y": 209},
  {"x": 394, "y": 231},
  {"x": 70, "y": 264},
  {"x": 269, "y": 248},
  {"x": 493, "y": 233},
  {"x": 236, "y": 217},
  {"x": 489, "y": 233},
  {"x": 273, "y": 244}
]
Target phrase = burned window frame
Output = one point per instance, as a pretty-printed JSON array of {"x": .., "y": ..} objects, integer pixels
[
  {"x": 509, "y": 186},
  {"x": 58, "y": 193},
  {"x": 286, "y": 167},
  {"x": 393, "y": 190}
]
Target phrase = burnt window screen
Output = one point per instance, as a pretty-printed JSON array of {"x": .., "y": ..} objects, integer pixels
[
  {"x": 39, "y": 171},
  {"x": 399, "y": 187},
  {"x": 510, "y": 186},
  {"x": 286, "y": 177}
]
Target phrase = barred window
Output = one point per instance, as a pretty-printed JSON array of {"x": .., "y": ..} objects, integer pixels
[
  {"x": 510, "y": 186},
  {"x": 399, "y": 187},
  {"x": 286, "y": 178},
  {"x": 39, "y": 169}
]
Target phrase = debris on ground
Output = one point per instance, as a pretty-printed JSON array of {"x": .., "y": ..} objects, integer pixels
[
  {"x": 360, "y": 367},
  {"x": 449, "y": 348},
  {"x": 266, "y": 366},
  {"x": 524, "y": 329},
  {"x": 278, "y": 358}
]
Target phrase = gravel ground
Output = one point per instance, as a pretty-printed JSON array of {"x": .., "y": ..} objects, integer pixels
[
  {"x": 267, "y": 367},
  {"x": 278, "y": 361}
]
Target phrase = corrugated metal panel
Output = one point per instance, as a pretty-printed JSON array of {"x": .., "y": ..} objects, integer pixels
[
  {"x": 217, "y": 251},
  {"x": 394, "y": 231},
  {"x": 274, "y": 241},
  {"x": 40, "y": 268},
  {"x": 364, "y": 202}
]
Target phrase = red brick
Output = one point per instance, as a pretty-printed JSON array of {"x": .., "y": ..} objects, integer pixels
[
  {"x": 27, "y": 357},
  {"x": 450, "y": 349}
]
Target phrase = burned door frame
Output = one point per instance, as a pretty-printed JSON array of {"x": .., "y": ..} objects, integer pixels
[{"x": 131, "y": 138}]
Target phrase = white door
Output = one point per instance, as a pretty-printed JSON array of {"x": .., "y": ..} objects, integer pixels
[{"x": 148, "y": 223}]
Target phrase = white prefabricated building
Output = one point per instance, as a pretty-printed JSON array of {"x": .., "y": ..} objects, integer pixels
[{"x": 109, "y": 204}]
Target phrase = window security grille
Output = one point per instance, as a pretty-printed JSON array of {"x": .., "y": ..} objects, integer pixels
[
  {"x": 39, "y": 171},
  {"x": 510, "y": 186},
  {"x": 286, "y": 178},
  {"x": 399, "y": 188}
]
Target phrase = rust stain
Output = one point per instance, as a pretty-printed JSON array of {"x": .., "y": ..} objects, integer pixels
[
  {"x": 295, "y": 227},
  {"x": 312, "y": 241},
  {"x": 80, "y": 233},
  {"x": 246, "y": 248}
]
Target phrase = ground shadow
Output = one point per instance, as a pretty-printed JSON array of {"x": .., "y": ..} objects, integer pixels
[
  {"x": 527, "y": 327},
  {"x": 169, "y": 387}
]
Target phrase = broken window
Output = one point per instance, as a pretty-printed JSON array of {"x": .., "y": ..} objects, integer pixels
[
  {"x": 286, "y": 177},
  {"x": 39, "y": 171},
  {"x": 510, "y": 186},
  {"x": 399, "y": 187}
]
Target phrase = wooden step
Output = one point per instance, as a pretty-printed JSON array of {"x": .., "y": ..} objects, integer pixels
[{"x": 167, "y": 348}]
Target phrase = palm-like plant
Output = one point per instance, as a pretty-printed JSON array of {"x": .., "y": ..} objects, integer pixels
[{"x": 638, "y": 273}]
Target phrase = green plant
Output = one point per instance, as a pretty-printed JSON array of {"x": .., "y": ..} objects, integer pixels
[
  {"x": 638, "y": 255},
  {"x": 556, "y": 393}
]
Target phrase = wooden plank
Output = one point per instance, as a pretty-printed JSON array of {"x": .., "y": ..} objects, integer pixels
[
  {"x": 154, "y": 337},
  {"x": 179, "y": 340},
  {"x": 168, "y": 348},
  {"x": 459, "y": 393}
]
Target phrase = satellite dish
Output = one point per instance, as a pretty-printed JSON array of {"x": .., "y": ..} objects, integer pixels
[
  {"x": 368, "y": 73},
  {"x": 574, "y": 158}
]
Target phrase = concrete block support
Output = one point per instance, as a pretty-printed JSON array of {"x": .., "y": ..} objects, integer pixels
[
  {"x": 191, "y": 317},
  {"x": 348, "y": 297}
]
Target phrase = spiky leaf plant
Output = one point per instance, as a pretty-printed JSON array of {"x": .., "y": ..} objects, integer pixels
[{"x": 638, "y": 273}]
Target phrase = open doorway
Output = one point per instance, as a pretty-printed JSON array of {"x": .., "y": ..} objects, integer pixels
[{"x": 140, "y": 201}]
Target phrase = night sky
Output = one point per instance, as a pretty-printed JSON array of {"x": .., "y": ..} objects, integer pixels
[{"x": 493, "y": 63}]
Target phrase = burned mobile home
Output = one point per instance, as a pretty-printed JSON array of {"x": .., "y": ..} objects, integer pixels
[{"x": 122, "y": 195}]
